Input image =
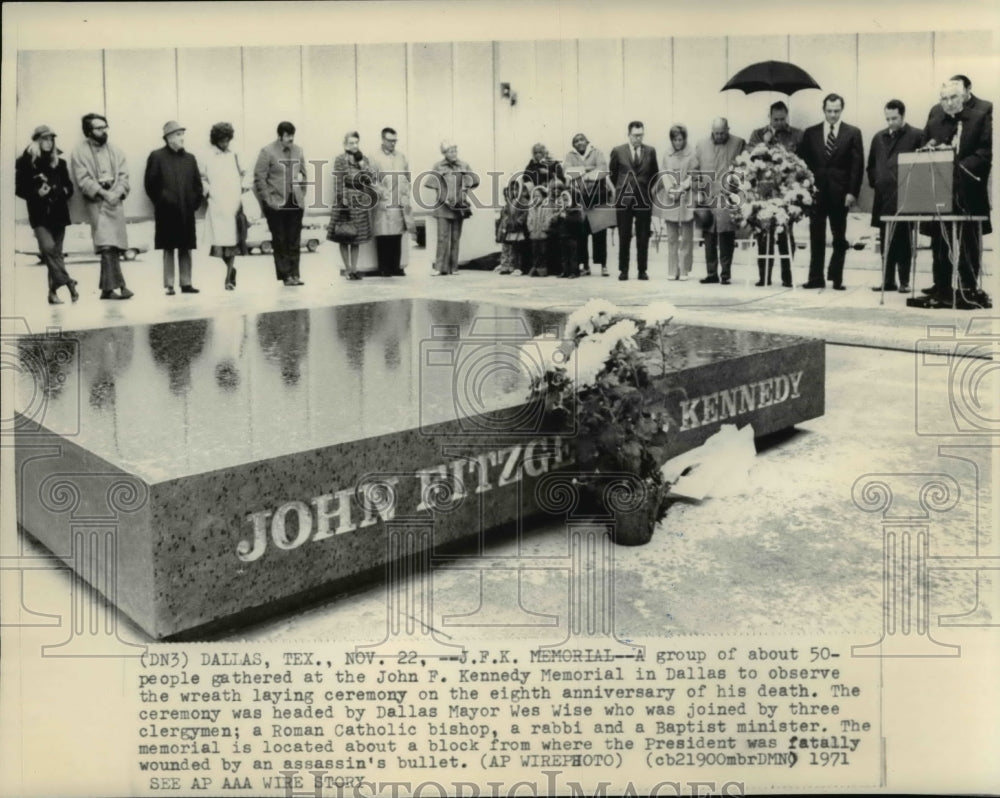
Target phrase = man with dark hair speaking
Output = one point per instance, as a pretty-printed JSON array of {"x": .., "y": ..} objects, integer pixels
[
  {"x": 633, "y": 167},
  {"x": 834, "y": 153}
]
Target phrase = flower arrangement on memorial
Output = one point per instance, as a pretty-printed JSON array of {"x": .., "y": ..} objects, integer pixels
[
  {"x": 598, "y": 380},
  {"x": 776, "y": 189}
]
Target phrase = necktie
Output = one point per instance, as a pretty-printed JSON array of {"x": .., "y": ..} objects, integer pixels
[
  {"x": 831, "y": 142},
  {"x": 635, "y": 156},
  {"x": 289, "y": 176}
]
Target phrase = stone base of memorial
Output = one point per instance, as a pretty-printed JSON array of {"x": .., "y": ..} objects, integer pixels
[{"x": 223, "y": 469}]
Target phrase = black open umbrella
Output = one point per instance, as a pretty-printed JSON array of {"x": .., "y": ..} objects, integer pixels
[{"x": 771, "y": 76}]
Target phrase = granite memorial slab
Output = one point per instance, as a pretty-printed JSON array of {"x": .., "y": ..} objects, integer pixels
[{"x": 219, "y": 468}]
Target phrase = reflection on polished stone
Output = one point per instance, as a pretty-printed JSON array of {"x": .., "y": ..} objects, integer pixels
[
  {"x": 211, "y": 393},
  {"x": 175, "y": 346},
  {"x": 112, "y": 354}
]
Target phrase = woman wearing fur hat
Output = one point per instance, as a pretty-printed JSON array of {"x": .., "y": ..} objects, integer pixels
[{"x": 586, "y": 170}]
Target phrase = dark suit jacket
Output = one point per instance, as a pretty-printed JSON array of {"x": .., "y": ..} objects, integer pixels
[
  {"x": 633, "y": 184},
  {"x": 841, "y": 174},
  {"x": 973, "y": 159},
  {"x": 883, "y": 167}
]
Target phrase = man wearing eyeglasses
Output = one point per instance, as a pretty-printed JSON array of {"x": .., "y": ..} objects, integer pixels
[
  {"x": 101, "y": 172},
  {"x": 392, "y": 215}
]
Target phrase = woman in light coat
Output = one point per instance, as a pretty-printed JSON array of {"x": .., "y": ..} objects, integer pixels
[
  {"x": 222, "y": 179},
  {"x": 674, "y": 205}
]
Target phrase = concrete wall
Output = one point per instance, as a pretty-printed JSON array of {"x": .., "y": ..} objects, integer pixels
[{"x": 431, "y": 91}]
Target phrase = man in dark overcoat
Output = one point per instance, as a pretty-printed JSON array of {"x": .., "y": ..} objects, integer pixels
[
  {"x": 173, "y": 184},
  {"x": 883, "y": 171},
  {"x": 970, "y": 133}
]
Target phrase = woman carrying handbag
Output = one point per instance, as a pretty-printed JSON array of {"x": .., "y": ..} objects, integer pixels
[{"x": 354, "y": 198}]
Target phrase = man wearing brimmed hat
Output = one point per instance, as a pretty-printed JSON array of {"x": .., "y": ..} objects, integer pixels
[
  {"x": 41, "y": 179},
  {"x": 173, "y": 183},
  {"x": 101, "y": 173}
]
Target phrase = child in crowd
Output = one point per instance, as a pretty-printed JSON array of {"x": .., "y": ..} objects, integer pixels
[
  {"x": 512, "y": 228},
  {"x": 567, "y": 224},
  {"x": 540, "y": 213}
]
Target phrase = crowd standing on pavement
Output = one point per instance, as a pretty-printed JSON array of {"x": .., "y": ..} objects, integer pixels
[{"x": 555, "y": 214}]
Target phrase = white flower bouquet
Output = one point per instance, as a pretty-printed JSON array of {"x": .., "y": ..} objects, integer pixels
[
  {"x": 776, "y": 189},
  {"x": 600, "y": 377}
]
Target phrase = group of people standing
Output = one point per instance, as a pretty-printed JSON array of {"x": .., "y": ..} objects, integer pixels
[
  {"x": 638, "y": 186},
  {"x": 556, "y": 213},
  {"x": 177, "y": 185},
  {"x": 173, "y": 180},
  {"x": 587, "y": 192}
]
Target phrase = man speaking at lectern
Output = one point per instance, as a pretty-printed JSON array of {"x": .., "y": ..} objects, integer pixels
[{"x": 969, "y": 132}]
